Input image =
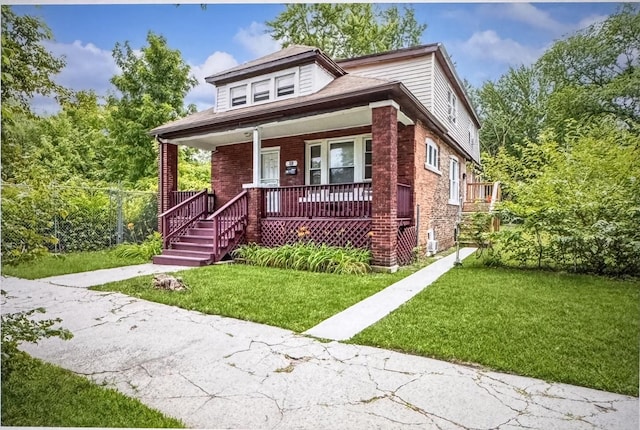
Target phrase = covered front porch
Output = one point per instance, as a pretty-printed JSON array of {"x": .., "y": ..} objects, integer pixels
[{"x": 266, "y": 181}]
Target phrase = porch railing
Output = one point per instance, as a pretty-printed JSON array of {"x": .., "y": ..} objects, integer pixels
[
  {"x": 228, "y": 222},
  {"x": 318, "y": 201},
  {"x": 487, "y": 193},
  {"x": 175, "y": 222},
  {"x": 177, "y": 197},
  {"x": 351, "y": 200},
  {"x": 405, "y": 204}
]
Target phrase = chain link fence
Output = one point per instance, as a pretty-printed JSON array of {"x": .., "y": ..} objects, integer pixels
[{"x": 65, "y": 218}]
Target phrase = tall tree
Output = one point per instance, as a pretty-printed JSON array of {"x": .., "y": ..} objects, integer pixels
[
  {"x": 27, "y": 66},
  {"x": 152, "y": 87},
  {"x": 345, "y": 30},
  {"x": 597, "y": 70}
]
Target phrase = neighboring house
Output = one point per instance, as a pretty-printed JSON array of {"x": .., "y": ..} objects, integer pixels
[{"x": 375, "y": 151}]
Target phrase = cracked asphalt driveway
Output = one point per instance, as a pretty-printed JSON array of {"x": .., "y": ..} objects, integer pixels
[{"x": 215, "y": 372}]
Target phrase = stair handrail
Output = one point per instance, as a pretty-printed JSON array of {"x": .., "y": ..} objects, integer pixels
[
  {"x": 165, "y": 217},
  {"x": 495, "y": 192},
  {"x": 242, "y": 216}
]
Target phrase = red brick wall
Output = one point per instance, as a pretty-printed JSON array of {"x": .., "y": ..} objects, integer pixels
[
  {"x": 406, "y": 153},
  {"x": 385, "y": 191},
  {"x": 168, "y": 177},
  {"x": 431, "y": 191},
  {"x": 232, "y": 165}
]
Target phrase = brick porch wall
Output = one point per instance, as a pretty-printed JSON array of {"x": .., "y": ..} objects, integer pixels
[
  {"x": 431, "y": 191},
  {"x": 385, "y": 191},
  {"x": 168, "y": 176}
]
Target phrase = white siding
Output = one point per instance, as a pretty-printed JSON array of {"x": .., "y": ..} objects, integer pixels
[
  {"x": 222, "y": 98},
  {"x": 322, "y": 78},
  {"x": 414, "y": 73},
  {"x": 306, "y": 79},
  {"x": 460, "y": 129}
]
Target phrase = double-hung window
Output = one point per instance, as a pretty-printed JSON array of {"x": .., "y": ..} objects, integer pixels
[
  {"x": 239, "y": 95},
  {"x": 433, "y": 156},
  {"x": 339, "y": 161},
  {"x": 452, "y": 101},
  {"x": 454, "y": 181},
  {"x": 285, "y": 85},
  {"x": 260, "y": 91}
]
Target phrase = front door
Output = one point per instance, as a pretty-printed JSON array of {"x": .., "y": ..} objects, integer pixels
[{"x": 270, "y": 176}]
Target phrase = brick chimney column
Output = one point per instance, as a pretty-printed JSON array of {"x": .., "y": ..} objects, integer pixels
[{"x": 384, "y": 130}]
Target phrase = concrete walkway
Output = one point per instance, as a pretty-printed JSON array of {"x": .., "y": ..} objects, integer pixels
[
  {"x": 214, "y": 372},
  {"x": 104, "y": 276},
  {"x": 353, "y": 320}
]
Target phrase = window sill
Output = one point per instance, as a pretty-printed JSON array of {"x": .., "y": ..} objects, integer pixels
[
  {"x": 433, "y": 169},
  {"x": 453, "y": 203}
]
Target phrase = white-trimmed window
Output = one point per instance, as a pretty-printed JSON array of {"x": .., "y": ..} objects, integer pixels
[
  {"x": 452, "y": 102},
  {"x": 238, "y": 95},
  {"x": 339, "y": 161},
  {"x": 454, "y": 181},
  {"x": 260, "y": 91},
  {"x": 368, "y": 159},
  {"x": 285, "y": 85},
  {"x": 315, "y": 164},
  {"x": 432, "y": 156}
]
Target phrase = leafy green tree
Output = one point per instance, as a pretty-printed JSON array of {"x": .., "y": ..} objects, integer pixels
[
  {"x": 513, "y": 110},
  {"x": 27, "y": 67},
  {"x": 581, "y": 210},
  {"x": 597, "y": 70},
  {"x": 151, "y": 87},
  {"x": 344, "y": 30}
]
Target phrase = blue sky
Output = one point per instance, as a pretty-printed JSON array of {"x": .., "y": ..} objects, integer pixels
[{"x": 483, "y": 39}]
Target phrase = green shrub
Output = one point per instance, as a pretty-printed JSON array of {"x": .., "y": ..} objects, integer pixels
[
  {"x": 151, "y": 246},
  {"x": 307, "y": 256}
]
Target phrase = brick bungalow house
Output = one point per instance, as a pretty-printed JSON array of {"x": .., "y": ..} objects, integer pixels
[{"x": 376, "y": 151}]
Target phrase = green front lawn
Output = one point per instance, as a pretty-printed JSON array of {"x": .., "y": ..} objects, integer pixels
[
  {"x": 43, "y": 395},
  {"x": 291, "y": 299},
  {"x": 576, "y": 329},
  {"x": 62, "y": 264}
]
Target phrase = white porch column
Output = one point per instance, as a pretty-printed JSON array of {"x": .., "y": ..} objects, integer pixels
[{"x": 256, "y": 157}]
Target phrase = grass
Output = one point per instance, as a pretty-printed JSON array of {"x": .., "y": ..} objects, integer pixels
[
  {"x": 291, "y": 299},
  {"x": 62, "y": 264},
  {"x": 576, "y": 329},
  {"x": 44, "y": 395}
]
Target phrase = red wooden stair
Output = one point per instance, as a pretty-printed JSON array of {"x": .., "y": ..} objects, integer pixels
[{"x": 190, "y": 239}]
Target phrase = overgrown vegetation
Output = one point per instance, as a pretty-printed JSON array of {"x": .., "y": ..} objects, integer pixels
[
  {"x": 576, "y": 329},
  {"x": 291, "y": 299},
  {"x": 151, "y": 246},
  {"x": 562, "y": 137},
  {"x": 307, "y": 256},
  {"x": 95, "y": 147}
]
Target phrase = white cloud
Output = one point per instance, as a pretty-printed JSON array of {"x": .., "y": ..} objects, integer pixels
[
  {"x": 531, "y": 15},
  {"x": 489, "y": 46},
  {"x": 203, "y": 95},
  {"x": 256, "y": 40},
  {"x": 88, "y": 67}
]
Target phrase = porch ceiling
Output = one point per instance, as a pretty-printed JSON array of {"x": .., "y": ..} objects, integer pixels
[{"x": 341, "y": 119}]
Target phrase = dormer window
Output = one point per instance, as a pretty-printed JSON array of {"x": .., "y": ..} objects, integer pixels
[
  {"x": 260, "y": 91},
  {"x": 285, "y": 85},
  {"x": 239, "y": 95}
]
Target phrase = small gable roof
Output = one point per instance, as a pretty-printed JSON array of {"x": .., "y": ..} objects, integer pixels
[{"x": 293, "y": 55}]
